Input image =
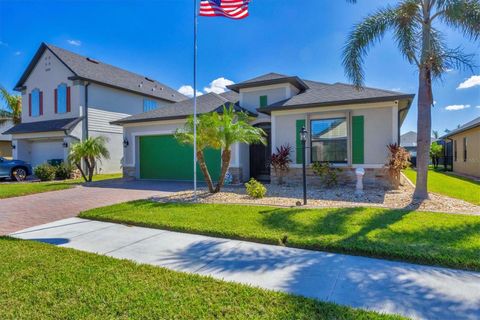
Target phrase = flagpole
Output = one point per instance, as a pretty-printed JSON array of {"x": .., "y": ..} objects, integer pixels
[{"x": 195, "y": 99}]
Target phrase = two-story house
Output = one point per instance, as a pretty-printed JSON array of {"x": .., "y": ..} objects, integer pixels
[
  {"x": 348, "y": 128},
  {"x": 67, "y": 97}
]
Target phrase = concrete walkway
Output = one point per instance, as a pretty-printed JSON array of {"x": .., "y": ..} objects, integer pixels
[
  {"x": 415, "y": 291},
  {"x": 26, "y": 211}
]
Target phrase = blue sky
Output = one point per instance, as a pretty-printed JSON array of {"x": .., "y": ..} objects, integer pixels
[{"x": 155, "y": 38}]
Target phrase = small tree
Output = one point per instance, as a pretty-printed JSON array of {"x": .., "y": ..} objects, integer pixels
[
  {"x": 90, "y": 151},
  {"x": 398, "y": 160},
  {"x": 436, "y": 151},
  {"x": 185, "y": 136},
  {"x": 281, "y": 160},
  {"x": 13, "y": 104}
]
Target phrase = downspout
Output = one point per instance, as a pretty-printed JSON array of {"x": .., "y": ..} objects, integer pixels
[{"x": 85, "y": 132}]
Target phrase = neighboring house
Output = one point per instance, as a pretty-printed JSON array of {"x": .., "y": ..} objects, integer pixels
[
  {"x": 5, "y": 139},
  {"x": 409, "y": 142},
  {"x": 347, "y": 127},
  {"x": 465, "y": 148},
  {"x": 68, "y": 97}
]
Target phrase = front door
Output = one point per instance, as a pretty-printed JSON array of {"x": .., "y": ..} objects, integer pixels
[{"x": 260, "y": 156}]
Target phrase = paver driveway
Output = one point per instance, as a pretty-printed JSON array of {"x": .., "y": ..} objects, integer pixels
[{"x": 27, "y": 211}]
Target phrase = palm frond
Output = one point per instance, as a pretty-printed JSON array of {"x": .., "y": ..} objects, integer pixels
[
  {"x": 463, "y": 15},
  {"x": 407, "y": 29},
  {"x": 361, "y": 39}
]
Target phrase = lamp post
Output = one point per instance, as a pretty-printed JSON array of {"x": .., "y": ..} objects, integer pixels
[{"x": 303, "y": 138}]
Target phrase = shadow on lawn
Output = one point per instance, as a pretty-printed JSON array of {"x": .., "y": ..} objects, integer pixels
[{"x": 412, "y": 290}]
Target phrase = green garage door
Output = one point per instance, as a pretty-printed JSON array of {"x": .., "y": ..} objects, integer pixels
[{"x": 162, "y": 157}]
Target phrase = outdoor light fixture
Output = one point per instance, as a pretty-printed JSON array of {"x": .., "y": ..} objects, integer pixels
[
  {"x": 303, "y": 137},
  {"x": 65, "y": 144},
  {"x": 125, "y": 142},
  {"x": 14, "y": 146}
]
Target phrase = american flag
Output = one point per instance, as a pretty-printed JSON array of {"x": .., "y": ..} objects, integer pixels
[{"x": 233, "y": 9}]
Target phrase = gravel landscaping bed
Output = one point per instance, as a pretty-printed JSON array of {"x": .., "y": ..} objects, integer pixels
[{"x": 343, "y": 196}]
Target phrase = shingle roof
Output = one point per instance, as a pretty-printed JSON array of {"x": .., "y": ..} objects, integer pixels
[
  {"x": 469, "y": 125},
  {"x": 269, "y": 79},
  {"x": 320, "y": 93},
  {"x": 96, "y": 71},
  {"x": 206, "y": 103},
  {"x": 44, "y": 126}
]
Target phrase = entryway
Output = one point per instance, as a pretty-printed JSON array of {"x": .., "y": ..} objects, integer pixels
[{"x": 260, "y": 156}]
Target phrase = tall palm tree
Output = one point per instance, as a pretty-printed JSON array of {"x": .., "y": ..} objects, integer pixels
[
  {"x": 91, "y": 151},
  {"x": 232, "y": 127},
  {"x": 13, "y": 104},
  {"x": 414, "y": 24}
]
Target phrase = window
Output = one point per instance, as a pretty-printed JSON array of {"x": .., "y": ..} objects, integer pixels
[
  {"x": 149, "y": 105},
  {"x": 61, "y": 99},
  {"x": 329, "y": 140},
  {"x": 35, "y": 103},
  {"x": 465, "y": 149},
  {"x": 455, "y": 150},
  {"x": 263, "y": 101}
]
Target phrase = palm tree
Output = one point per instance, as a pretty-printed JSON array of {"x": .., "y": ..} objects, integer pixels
[
  {"x": 436, "y": 135},
  {"x": 185, "y": 136},
  {"x": 14, "y": 106},
  {"x": 414, "y": 27},
  {"x": 219, "y": 131},
  {"x": 232, "y": 127},
  {"x": 91, "y": 151}
]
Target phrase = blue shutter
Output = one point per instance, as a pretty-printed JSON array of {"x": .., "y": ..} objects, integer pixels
[
  {"x": 62, "y": 98},
  {"x": 149, "y": 105},
  {"x": 35, "y": 102}
]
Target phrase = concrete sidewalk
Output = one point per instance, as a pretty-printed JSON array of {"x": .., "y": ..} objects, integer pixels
[{"x": 414, "y": 291}]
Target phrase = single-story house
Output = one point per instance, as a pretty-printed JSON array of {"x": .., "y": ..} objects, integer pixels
[
  {"x": 348, "y": 128},
  {"x": 68, "y": 97},
  {"x": 465, "y": 151}
]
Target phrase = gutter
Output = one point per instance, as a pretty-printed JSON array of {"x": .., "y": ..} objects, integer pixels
[{"x": 85, "y": 133}]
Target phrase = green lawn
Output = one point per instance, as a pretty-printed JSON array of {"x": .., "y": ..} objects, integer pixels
[
  {"x": 8, "y": 190},
  {"x": 423, "y": 237},
  {"x": 450, "y": 185},
  {"x": 40, "y": 281}
]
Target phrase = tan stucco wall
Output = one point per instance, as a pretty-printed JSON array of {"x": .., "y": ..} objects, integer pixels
[
  {"x": 472, "y": 165},
  {"x": 250, "y": 97},
  {"x": 380, "y": 127}
]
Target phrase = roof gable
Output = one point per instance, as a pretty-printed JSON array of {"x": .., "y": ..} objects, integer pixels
[
  {"x": 269, "y": 79},
  {"x": 90, "y": 69}
]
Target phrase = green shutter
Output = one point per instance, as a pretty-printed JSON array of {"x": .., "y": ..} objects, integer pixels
[
  {"x": 263, "y": 101},
  {"x": 298, "y": 142},
  {"x": 358, "y": 144}
]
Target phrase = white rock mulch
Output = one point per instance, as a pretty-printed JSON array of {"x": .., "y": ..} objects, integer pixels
[{"x": 344, "y": 196}]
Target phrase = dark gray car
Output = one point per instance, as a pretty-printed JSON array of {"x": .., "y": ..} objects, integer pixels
[{"x": 15, "y": 169}]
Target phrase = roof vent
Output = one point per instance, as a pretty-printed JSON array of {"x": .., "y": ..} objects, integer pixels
[
  {"x": 153, "y": 89},
  {"x": 173, "y": 94},
  {"x": 141, "y": 84},
  {"x": 161, "y": 88},
  {"x": 148, "y": 79},
  {"x": 93, "y": 60}
]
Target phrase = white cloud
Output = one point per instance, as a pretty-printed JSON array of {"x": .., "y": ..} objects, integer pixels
[
  {"x": 470, "y": 82},
  {"x": 478, "y": 107},
  {"x": 218, "y": 85},
  {"x": 456, "y": 107},
  {"x": 17, "y": 53},
  {"x": 4, "y": 44},
  {"x": 188, "y": 91},
  {"x": 76, "y": 43}
]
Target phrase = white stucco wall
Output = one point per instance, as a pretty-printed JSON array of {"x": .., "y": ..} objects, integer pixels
[
  {"x": 380, "y": 127},
  {"x": 46, "y": 76}
]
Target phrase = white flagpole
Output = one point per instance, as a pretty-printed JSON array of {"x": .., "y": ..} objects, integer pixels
[{"x": 195, "y": 100}]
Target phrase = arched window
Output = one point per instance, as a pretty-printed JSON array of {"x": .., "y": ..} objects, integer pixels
[
  {"x": 35, "y": 103},
  {"x": 62, "y": 98}
]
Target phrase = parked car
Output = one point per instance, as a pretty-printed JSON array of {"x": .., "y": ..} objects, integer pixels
[{"x": 15, "y": 169}]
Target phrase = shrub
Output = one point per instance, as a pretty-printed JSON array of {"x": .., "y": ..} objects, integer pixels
[
  {"x": 280, "y": 161},
  {"x": 255, "y": 189},
  {"x": 398, "y": 160},
  {"x": 63, "y": 171},
  {"x": 45, "y": 172},
  {"x": 327, "y": 173}
]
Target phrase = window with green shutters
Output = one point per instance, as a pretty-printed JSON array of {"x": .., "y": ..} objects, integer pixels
[
  {"x": 358, "y": 136},
  {"x": 263, "y": 101}
]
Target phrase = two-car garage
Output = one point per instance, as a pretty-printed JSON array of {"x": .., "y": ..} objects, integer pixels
[{"x": 162, "y": 157}]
